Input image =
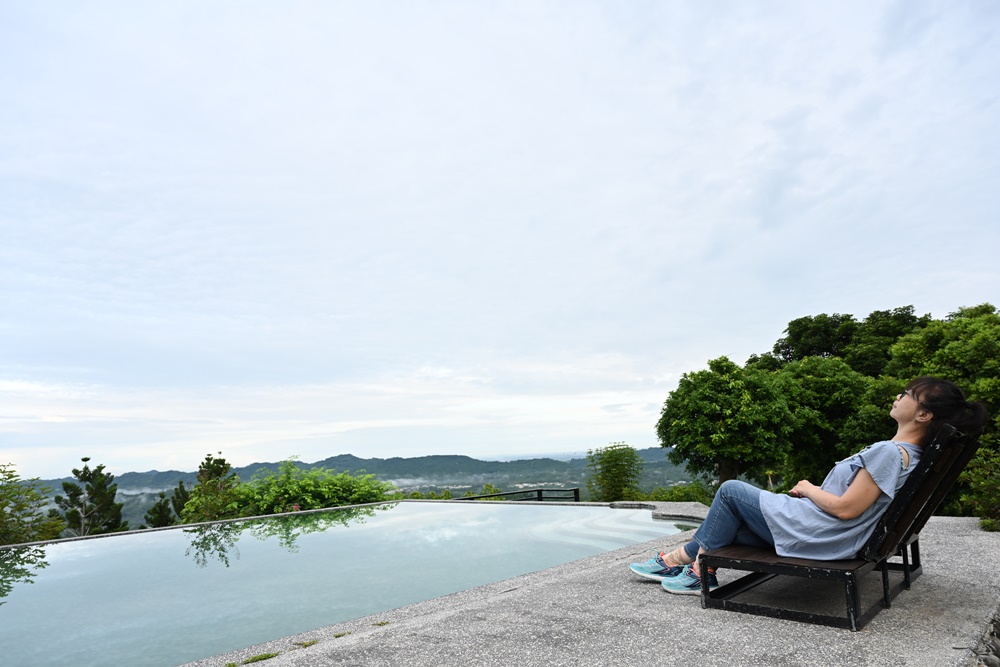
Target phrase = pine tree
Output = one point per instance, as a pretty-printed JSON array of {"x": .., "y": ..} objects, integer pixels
[
  {"x": 161, "y": 514},
  {"x": 180, "y": 497},
  {"x": 90, "y": 509}
]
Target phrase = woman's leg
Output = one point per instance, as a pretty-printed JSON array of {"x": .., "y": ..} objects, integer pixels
[
  {"x": 682, "y": 555},
  {"x": 734, "y": 518}
]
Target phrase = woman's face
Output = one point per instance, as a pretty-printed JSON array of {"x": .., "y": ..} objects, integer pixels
[{"x": 906, "y": 407}]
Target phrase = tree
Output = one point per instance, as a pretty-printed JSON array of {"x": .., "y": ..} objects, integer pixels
[
  {"x": 22, "y": 502},
  {"x": 822, "y": 393},
  {"x": 90, "y": 509},
  {"x": 816, "y": 336},
  {"x": 179, "y": 498},
  {"x": 215, "y": 496},
  {"x": 869, "y": 349},
  {"x": 161, "y": 514},
  {"x": 965, "y": 348},
  {"x": 614, "y": 473},
  {"x": 726, "y": 421}
]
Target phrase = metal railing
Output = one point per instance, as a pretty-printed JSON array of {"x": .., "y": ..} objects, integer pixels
[{"x": 532, "y": 494}]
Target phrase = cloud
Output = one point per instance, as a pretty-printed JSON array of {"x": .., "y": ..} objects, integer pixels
[{"x": 463, "y": 228}]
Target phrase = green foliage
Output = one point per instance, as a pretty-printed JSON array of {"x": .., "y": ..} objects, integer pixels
[
  {"x": 822, "y": 393},
  {"x": 22, "y": 502},
  {"x": 161, "y": 514},
  {"x": 816, "y": 336},
  {"x": 832, "y": 379},
  {"x": 695, "y": 492},
  {"x": 965, "y": 348},
  {"x": 982, "y": 493},
  {"x": 726, "y": 422},
  {"x": 614, "y": 473},
  {"x": 864, "y": 346},
  {"x": 869, "y": 350},
  {"x": 216, "y": 495},
  {"x": 260, "y": 658},
  {"x": 430, "y": 495},
  {"x": 90, "y": 509},
  {"x": 179, "y": 498},
  {"x": 292, "y": 489}
]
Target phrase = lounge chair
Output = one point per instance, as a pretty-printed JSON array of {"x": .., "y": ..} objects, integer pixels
[{"x": 895, "y": 536}]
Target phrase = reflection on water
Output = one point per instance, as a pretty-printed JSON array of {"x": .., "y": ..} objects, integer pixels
[
  {"x": 217, "y": 541},
  {"x": 138, "y": 600},
  {"x": 19, "y": 565}
]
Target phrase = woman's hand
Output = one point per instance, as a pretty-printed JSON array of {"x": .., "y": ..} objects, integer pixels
[
  {"x": 860, "y": 495},
  {"x": 802, "y": 489}
]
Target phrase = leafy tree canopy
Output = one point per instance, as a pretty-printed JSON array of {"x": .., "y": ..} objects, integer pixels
[
  {"x": 726, "y": 421},
  {"x": 824, "y": 392}
]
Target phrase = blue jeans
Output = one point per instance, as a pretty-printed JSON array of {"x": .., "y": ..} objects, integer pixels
[{"x": 733, "y": 518}]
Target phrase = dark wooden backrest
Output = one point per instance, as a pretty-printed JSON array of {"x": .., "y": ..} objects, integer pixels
[
  {"x": 967, "y": 448},
  {"x": 941, "y": 462}
]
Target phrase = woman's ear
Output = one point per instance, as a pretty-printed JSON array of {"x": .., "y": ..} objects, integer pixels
[{"x": 924, "y": 416}]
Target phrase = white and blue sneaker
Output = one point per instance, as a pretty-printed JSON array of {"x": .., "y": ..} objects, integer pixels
[
  {"x": 656, "y": 569},
  {"x": 688, "y": 582}
]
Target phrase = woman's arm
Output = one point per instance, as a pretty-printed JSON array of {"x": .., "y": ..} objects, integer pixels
[{"x": 860, "y": 495}]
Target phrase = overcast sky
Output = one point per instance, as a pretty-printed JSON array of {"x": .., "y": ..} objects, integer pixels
[{"x": 497, "y": 229}]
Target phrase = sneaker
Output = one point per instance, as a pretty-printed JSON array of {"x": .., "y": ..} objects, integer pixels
[
  {"x": 655, "y": 568},
  {"x": 689, "y": 583}
]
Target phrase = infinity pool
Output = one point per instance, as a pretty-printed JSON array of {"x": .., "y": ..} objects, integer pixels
[{"x": 163, "y": 598}]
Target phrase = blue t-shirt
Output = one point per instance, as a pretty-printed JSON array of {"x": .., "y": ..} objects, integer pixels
[{"x": 802, "y": 530}]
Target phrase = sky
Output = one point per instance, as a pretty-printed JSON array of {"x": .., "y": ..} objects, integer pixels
[{"x": 498, "y": 229}]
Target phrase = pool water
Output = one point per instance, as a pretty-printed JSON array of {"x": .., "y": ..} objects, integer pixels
[{"x": 163, "y": 598}]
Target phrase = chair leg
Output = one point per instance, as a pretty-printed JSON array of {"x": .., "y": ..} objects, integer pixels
[
  {"x": 853, "y": 595},
  {"x": 906, "y": 567},
  {"x": 886, "y": 599}
]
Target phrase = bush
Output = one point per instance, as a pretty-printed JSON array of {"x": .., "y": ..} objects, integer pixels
[
  {"x": 982, "y": 479},
  {"x": 292, "y": 489},
  {"x": 695, "y": 492}
]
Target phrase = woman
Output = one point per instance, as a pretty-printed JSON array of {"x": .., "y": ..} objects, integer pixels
[{"x": 831, "y": 521}]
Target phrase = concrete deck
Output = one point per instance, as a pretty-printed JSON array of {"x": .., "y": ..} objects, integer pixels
[{"x": 595, "y": 612}]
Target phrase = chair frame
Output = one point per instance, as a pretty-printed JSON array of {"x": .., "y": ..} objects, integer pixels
[{"x": 895, "y": 536}]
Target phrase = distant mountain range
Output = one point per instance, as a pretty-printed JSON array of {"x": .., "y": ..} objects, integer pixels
[
  {"x": 139, "y": 490},
  {"x": 421, "y": 471}
]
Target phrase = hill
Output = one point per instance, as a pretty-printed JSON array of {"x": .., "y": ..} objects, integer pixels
[{"x": 139, "y": 490}]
